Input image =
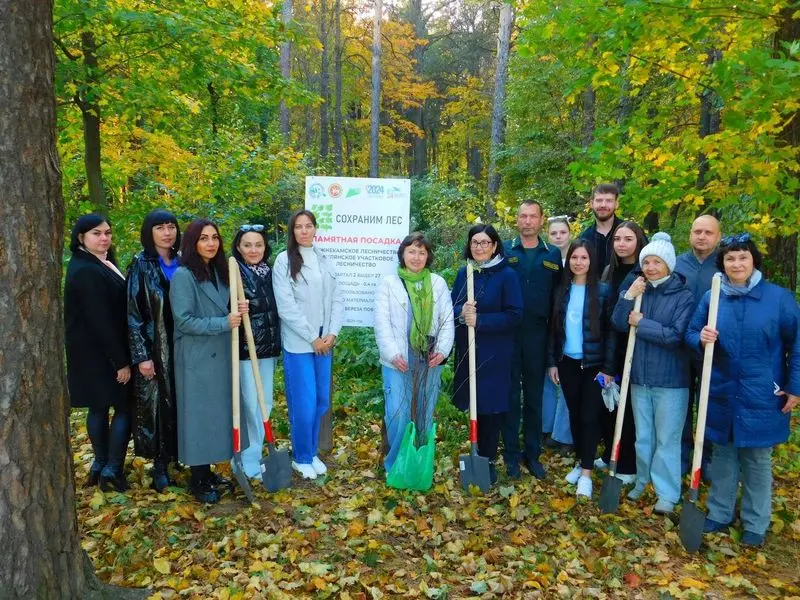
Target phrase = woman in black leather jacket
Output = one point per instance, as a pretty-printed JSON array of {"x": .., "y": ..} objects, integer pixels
[
  {"x": 251, "y": 249},
  {"x": 155, "y": 433},
  {"x": 581, "y": 354}
]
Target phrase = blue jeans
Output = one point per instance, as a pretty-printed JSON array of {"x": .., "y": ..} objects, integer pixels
[
  {"x": 308, "y": 396},
  {"x": 397, "y": 393},
  {"x": 252, "y": 420},
  {"x": 555, "y": 414},
  {"x": 751, "y": 466},
  {"x": 659, "y": 414}
]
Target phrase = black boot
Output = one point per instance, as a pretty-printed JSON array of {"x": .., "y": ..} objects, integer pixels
[
  {"x": 160, "y": 475},
  {"x": 113, "y": 479},
  {"x": 201, "y": 487}
]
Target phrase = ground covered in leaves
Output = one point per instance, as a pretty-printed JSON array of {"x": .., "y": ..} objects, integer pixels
[{"x": 350, "y": 536}]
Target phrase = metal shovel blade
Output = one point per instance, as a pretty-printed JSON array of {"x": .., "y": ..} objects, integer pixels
[
  {"x": 474, "y": 471},
  {"x": 241, "y": 478},
  {"x": 691, "y": 526},
  {"x": 276, "y": 470},
  {"x": 609, "y": 494}
]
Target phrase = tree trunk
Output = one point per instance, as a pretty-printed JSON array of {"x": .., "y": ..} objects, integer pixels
[
  {"x": 782, "y": 263},
  {"x": 286, "y": 70},
  {"x": 419, "y": 144},
  {"x": 498, "y": 104},
  {"x": 375, "y": 110},
  {"x": 214, "y": 97},
  {"x": 709, "y": 120},
  {"x": 475, "y": 166},
  {"x": 90, "y": 112},
  {"x": 338, "y": 49},
  {"x": 324, "y": 91}
]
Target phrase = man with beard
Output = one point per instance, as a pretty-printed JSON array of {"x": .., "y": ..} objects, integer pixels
[
  {"x": 604, "y": 204},
  {"x": 539, "y": 269}
]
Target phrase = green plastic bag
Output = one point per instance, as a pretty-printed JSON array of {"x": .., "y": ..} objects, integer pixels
[{"x": 413, "y": 467}]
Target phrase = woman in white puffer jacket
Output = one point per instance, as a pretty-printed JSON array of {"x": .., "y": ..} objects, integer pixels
[{"x": 414, "y": 329}]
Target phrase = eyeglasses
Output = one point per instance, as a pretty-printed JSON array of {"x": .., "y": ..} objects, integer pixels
[
  {"x": 258, "y": 228},
  {"x": 481, "y": 243},
  {"x": 730, "y": 240}
]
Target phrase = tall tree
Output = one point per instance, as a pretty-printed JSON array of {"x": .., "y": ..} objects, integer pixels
[
  {"x": 498, "y": 103},
  {"x": 375, "y": 110},
  {"x": 286, "y": 70},
  {"x": 324, "y": 87},
  {"x": 38, "y": 525}
]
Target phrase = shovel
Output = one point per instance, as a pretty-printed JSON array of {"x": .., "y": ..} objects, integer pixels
[
  {"x": 238, "y": 469},
  {"x": 276, "y": 469},
  {"x": 612, "y": 485},
  {"x": 692, "y": 518},
  {"x": 474, "y": 468}
]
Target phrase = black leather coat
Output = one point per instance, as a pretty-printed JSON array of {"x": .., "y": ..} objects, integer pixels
[
  {"x": 598, "y": 351},
  {"x": 263, "y": 315},
  {"x": 150, "y": 338}
]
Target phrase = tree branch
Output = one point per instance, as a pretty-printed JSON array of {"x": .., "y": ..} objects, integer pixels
[
  {"x": 65, "y": 50},
  {"x": 672, "y": 71}
]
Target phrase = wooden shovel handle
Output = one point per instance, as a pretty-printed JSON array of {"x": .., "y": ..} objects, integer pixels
[
  {"x": 473, "y": 384},
  {"x": 251, "y": 350},
  {"x": 623, "y": 389},
  {"x": 705, "y": 385},
  {"x": 233, "y": 271}
]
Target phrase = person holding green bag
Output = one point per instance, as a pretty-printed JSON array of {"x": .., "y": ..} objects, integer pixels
[{"x": 414, "y": 330}]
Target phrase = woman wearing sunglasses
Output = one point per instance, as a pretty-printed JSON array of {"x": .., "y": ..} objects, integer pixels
[
  {"x": 311, "y": 310},
  {"x": 495, "y": 314},
  {"x": 755, "y": 385},
  {"x": 251, "y": 250}
]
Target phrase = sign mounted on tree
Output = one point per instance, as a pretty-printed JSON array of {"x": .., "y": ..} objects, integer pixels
[{"x": 360, "y": 224}]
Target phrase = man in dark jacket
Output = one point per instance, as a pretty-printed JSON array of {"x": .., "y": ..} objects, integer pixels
[
  {"x": 539, "y": 269},
  {"x": 604, "y": 204},
  {"x": 698, "y": 266}
]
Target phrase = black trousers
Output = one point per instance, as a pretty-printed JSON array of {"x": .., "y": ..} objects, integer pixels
[
  {"x": 584, "y": 400},
  {"x": 626, "y": 463},
  {"x": 489, "y": 427}
]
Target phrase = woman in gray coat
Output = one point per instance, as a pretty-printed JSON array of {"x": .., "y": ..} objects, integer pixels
[{"x": 199, "y": 297}]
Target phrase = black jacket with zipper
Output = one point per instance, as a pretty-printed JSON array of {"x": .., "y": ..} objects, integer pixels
[
  {"x": 263, "y": 315},
  {"x": 598, "y": 350}
]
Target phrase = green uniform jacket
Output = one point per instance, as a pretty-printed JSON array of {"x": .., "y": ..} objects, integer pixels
[{"x": 538, "y": 276}]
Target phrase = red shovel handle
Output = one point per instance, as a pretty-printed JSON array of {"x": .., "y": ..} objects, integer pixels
[
  {"x": 236, "y": 441},
  {"x": 473, "y": 431},
  {"x": 268, "y": 432}
]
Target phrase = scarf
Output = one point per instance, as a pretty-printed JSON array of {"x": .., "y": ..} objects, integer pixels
[
  {"x": 730, "y": 289},
  {"x": 478, "y": 267},
  {"x": 261, "y": 269},
  {"x": 420, "y": 292}
]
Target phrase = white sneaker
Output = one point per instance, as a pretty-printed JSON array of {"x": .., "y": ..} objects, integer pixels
[
  {"x": 572, "y": 476},
  {"x": 584, "y": 486},
  {"x": 319, "y": 466},
  {"x": 626, "y": 479},
  {"x": 599, "y": 463},
  {"x": 305, "y": 470},
  {"x": 637, "y": 491}
]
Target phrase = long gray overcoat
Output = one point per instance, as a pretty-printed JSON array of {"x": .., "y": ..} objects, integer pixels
[{"x": 202, "y": 369}]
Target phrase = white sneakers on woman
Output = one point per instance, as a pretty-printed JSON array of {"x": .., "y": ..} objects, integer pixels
[
  {"x": 572, "y": 476},
  {"x": 319, "y": 466},
  {"x": 310, "y": 471},
  {"x": 584, "y": 486},
  {"x": 306, "y": 471}
]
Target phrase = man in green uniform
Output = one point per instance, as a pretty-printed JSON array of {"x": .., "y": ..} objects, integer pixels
[{"x": 539, "y": 269}]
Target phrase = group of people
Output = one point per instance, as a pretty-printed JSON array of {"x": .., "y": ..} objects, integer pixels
[
  {"x": 165, "y": 324},
  {"x": 550, "y": 317},
  {"x": 559, "y": 311}
]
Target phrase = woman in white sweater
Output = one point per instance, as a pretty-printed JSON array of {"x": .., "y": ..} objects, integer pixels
[
  {"x": 310, "y": 309},
  {"x": 414, "y": 330}
]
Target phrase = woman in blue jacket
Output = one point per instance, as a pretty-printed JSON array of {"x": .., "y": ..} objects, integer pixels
[
  {"x": 495, "y": 313},
  {"x": 660, "y": 369},
  {"x": 755, "y": 384},
  {"x": 581, "y": 354}
]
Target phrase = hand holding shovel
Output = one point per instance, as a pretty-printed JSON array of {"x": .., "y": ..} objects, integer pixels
[
  {"x": 692, "y": 518},
  {"x": 276, "y": 469},
  {"x": 474, "y": 469},
  {"x": 238, "y": 469},
  {"x": 612, "y": 485}
]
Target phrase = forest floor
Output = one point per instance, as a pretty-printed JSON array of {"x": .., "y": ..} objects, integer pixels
[{"x": 350, "y": 536}]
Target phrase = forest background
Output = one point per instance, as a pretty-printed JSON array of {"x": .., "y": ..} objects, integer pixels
[{"x": 221, "y": 108}]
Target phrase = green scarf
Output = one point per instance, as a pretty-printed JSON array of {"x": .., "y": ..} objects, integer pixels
[{"x": 420, "y": 291}]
